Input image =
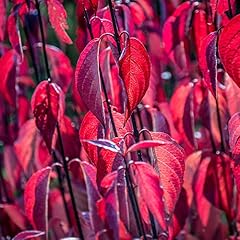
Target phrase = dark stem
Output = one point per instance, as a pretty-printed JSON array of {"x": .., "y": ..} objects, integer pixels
[
  {"x": 154, "y": 230},
  {"x": 114, "y": 21},
  {"x": 102, "y": 80},
  {"x": 230, "y": 13},
  {"x": 136, "y": 135},
  {"x": 220, "y": 126},
  {"x": 61, "y": 188},
  {"x": 65, "y": 167},
  {"x": 26, "y": 30},
  {"x": 153, "y": 225},
  {"x": 43, "y": 40},
  {"x": 130, "y": 187},
  {"x": 134, "y": 203},
  {"x": 3, "y": 185}
]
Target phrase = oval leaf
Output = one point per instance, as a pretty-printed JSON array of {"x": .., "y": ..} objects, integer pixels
[
  {"x": 36, "y": 198},
  {"x": 91, "y": 129},
  {"x": 170, "y": 165},
  {"x": 135, "y": 67},
  {"x": 57, "y": 16},
  {"x": 47, "y": 101},
  {"x": 229, "y": 51},
  {"x": 87, "y": 79},
  {"x": 149, "y": 185},
  {"x": 8, "y": 77},
  {"x": 208, "y": 61}
]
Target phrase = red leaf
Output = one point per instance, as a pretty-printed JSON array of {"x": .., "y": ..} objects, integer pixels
[
  {"x": 148, "y": 183},
  {"x": 3, "y": 17},
  {"x": 135, "y": 67},
  {"x": 200, "y": 28},
  {"x": 13, "y": 30},
  {"x": 108, "y": 210},
  {"x": 70, "y": 138},
  {"x": 24, "y": 145},
  {"x": 28, "y": 234},
  {"x": 87, "y": 78},
  {"x": 36, "y": 197},
  {"x": 229, "y": 52},
  {"x": 88, "y": 5},
  {"x": 181, "y": 105},
  {"x": 91, "y": 129},
  {"x": 170, "y": 164},
  {"x": 174, "y": 33},
  {"x": 61, "y": 68},
  {"x": 208, "y": 61},
  {"x": 89, "y": 174},
  {"x": 108, "y": 161},
  {"x": 47, "y": 104},
  {"x": 16, "y": 215},
  {"x": 58, "y": 19},
  {"x": 145, "y": 144},
  {"x": 234, "y": 134},
  {"x": 8, "y": 77}
]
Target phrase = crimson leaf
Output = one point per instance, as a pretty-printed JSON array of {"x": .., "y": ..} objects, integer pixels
[
  {"x": 36, "y": 197},
  {"x": 135, "y": 67},
  {"x": 47, "y": 104}
]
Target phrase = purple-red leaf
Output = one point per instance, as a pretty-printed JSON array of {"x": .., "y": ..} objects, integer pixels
[
  {"x": 234, "y": 134},
  {"x": 24, "y": 145},
  {"x": 148, "y": 183},
  {"x": 208, "y": 61},
  {"x": 28, "y": 234},
  {"x": 47, "y": 105},
  {"x": 170, "y": 164},
  {"x": 135, "y": 67},
  {"x": 58, "y": 19},
  {"x": 229, "y": 51},
  {"x": 36, "y": 198},
  {"x": 88, "y": 172},
  {"x": 3, "y": 17},
  {"x": 8, "y": 77},
  {"x": 88, "y": 81}
]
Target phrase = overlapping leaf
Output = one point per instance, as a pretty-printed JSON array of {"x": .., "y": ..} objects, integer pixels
[
  {"x": 88, "y": 81},
  {"x": 170, "y": 164},
  {"x": 229, "y": 51},
  {"x": 144, "y": 173},
  {"x": 135, "y": 70},
  {"x": 47, "y": 105},
  {"x": 208, "y": 61},
  {"x": 8, "y": 77},
  {"x": 61, "y": 69},
  {"x": 36, "y": 197},
  {"x": 58, "y": 19},
  {"x": 91, "y": 129},
  {"x": 234, "y": 134}
]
